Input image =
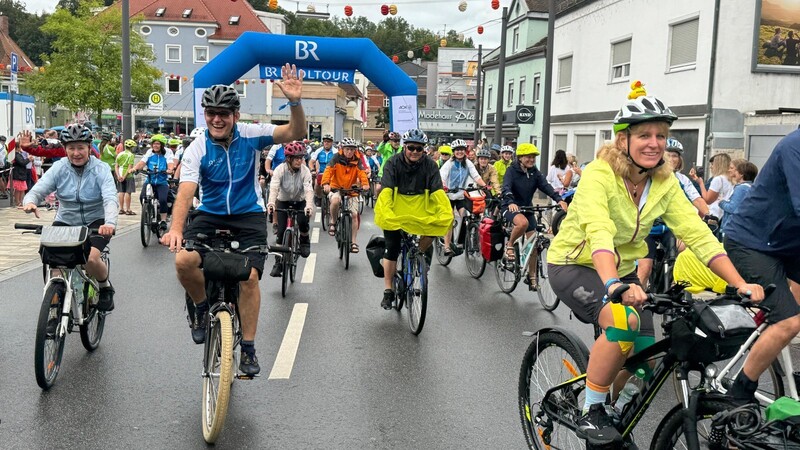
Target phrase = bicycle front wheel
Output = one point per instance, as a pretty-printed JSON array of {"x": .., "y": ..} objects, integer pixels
[
  {"x": 49, "y": 346},
  {"x": 94, "y": 321},
  {"x": 670, "y": 432},
  {"x": 547, "y": 297},
  {"x": 218, "y": 375},
  {"x": 417, "y": 295},
  {"x": 476, "y": 265},
  {"x": 507, "y": 272},
  {"x": 144, "y": 225},
  {"x": 550, "y": 359},
  {"x": 295, "y": 255},
  {"x": 347, "y": 239}
]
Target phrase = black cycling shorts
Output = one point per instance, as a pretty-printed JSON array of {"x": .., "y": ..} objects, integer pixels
[
  {"x": 249, "y": 229},
  {"x": 509, "y": 216},
  {"x": 97, "y": 241},
  {"x": 581, "y": 288},
  {"x": 761, "y": 268},
  {"x": 458, "y": 204}
]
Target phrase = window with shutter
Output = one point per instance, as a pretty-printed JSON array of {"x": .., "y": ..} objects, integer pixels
[
  {"x": 565, "y": 73},
  {"x": 561, "y": 142},
  {"x": 621, "y": 61},
  {"x": 683, "y": 44},
  {"x": 584, "y": 147}
]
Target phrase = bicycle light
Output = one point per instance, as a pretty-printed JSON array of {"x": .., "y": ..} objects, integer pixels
[
  {"x": 711, "y": 371},
  {"x": 235, "y": 245}
]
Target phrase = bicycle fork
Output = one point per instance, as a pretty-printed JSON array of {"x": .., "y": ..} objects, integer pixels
[{"x": 690, "y": 400}]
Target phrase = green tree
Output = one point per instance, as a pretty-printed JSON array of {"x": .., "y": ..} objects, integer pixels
[{"x": 84, "y": 70}]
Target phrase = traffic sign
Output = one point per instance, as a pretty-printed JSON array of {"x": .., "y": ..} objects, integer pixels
[
  {"x": 156, "y": 101},
  {"x": 14, "y": 63},
  {"x": 13, "y": 85},
  {"x": 161, "y": 122}
]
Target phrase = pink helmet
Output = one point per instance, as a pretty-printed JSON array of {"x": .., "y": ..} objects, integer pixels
[{"x": 294, "y": 149}]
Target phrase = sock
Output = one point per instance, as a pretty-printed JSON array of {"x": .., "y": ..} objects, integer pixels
[
  {"x": 594, "y": 394},
  {"x": 104, "y": 283},
  {"x": 248, "y": 347},
  {"x": 743, "y": 388},
  {"x": 201, "y": 307}
]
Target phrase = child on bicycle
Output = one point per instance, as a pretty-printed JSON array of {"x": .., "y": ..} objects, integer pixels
[
  {"x": 158, "y": 158},
  {"x": 291, "y": 187},
  {"x": 344, "y": 172}
]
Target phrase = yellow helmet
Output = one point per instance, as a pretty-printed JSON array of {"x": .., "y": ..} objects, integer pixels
[
  {"x": 445, "y": 150},
  {"x": 130, "y": 143},
  {"x": 527, "y": 149}
]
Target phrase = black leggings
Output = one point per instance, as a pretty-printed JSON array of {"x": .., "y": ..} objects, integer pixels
[
  {"x": 161, "y": 191},
  {"x": 302, "y": 219}
]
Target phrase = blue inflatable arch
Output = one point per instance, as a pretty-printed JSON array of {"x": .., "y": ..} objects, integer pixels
[{"x": 311, "y": 52}]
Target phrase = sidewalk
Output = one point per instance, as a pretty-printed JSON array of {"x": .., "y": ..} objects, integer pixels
[{"x": 18, "y": 251}]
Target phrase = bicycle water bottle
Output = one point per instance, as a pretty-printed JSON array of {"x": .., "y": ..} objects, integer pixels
[
  {"x": 632, "y": 388},
  {"x": 77, "y": 283}
]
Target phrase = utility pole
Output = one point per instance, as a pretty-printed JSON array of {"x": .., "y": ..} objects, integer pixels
[
  {"x": 126, "y": 71},
  {"x": 501, "y": 72},
  {"x": 548, "y": 84},
  {"x": 478, "y": 97}
]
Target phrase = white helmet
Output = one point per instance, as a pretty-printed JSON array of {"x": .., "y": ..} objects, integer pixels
[
  {"x": 197, "y": 132},
  {"x": 458, "y": 143},
  {"x": 507, "y": 148},
  {"x": 348, "y": 142}
]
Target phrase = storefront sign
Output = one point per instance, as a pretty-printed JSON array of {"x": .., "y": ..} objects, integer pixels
[{"x": 446, "y": 115}]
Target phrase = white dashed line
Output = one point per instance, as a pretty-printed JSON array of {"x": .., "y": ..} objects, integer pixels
[
  {"x": 308, "y": 270},
  {"x": 284, "y": 362},
  {"x": 318, "y": 217},
  {"x": 315, "y": 236}
]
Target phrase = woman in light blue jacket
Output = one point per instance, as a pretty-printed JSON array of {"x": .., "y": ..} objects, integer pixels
[{"x": 87, "y": 196}]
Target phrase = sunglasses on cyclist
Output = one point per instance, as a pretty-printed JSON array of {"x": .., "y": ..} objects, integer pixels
[
  {"x": 415, "y": 148},
  {"x": 221, "y": 113}
]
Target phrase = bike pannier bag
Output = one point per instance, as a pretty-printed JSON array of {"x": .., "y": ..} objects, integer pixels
[
  {"x": 491, "y": 238},
  {"x": 476, "y": 201},
  {"x": 712, "y": 331},
  {"x": 219, "y": 266},
  {"x": 65, "y": 246},
  {"x": 375, "y": 250}
]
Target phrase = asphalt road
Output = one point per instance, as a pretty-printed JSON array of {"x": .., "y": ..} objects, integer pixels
[{"x": 359, "y": 380}]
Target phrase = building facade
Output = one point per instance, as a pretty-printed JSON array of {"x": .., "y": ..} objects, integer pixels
[{"x": 702, "y": 66}]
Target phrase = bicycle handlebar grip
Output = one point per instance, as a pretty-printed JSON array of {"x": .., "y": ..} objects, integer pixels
[
  {"x": 26, "y": 226},
  {"x": 189, "y": 245},
  {"x": 616, "y": 297}
]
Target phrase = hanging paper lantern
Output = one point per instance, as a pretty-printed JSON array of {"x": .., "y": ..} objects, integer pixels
[
  {"x": 253, "y": 81},
  {"x": 2, "y": 67},
  {"x": 480, "y": 29},
  {"x": 395, "y": 59},
  {"x": 263, "y": 81},
  {"x": 495, "y": 4},
  {"x": 41, "y": 69},
  {"x": 245, "y": 81},
  {"x": 393, "y": 10},
  {"x": 443, "y": 43},
  {"x": 238, "y": 81},
  {"x": 348, "y": 10},
  {"x": 410, "y": 54},
  {"x": 185, "y": 78},
  {"x": 426, "y": 49},
  {"x": 384, "y": 9},
  {"x": 273, "y": 4},
  {"x": 462, "y": 6}
]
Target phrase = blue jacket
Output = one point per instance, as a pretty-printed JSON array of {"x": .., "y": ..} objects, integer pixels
[
  {"x": 82, "y": 197},
  {"x": 519, "y": 185},
  {"x": 731, "y": 205},
  {"x": 228, "y": 178},
  {"x": 768, "y": 220}
]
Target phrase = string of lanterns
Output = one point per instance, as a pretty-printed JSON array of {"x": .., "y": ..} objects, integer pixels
[
  {"x": 392, "y": 9},
  {"x": 22, "y": 69}
]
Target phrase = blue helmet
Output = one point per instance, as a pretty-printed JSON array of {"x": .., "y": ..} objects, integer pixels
[
  {"x": 496, "y": 147},
  {"x": 415, "y": 135},
  {"x": 673, "y": 145}
]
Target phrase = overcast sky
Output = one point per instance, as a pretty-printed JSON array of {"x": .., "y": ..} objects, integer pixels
[{"x": 433, "y": 15}]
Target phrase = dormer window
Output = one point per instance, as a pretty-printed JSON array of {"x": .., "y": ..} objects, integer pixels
[
  {"x": 234, "y": 20},
  {"x": 160, "y": 12},
  {"x": 187, "y": 13}
]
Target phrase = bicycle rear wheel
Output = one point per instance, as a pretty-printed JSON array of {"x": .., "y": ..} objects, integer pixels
[
  {"x": 547, "y": 297},
  {"x": 144, "y": 225},
  {"x": 507, "y": 272},
  {"x": 550, "y": 359},
  {"x": 417, "y": 295},
  {"x": 476, "y": 265},
  {"x": 670, "y": 432},
  {"x": 94, "y": 320},
  {"x": 347, "y": 238},
  {"x": 49, "y": 346},
  {"x": 438, "y": 244},
  {"x": 218, "y": 375}
]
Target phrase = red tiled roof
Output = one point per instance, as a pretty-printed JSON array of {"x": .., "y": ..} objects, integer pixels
[
  {"x": 212, "y": 11},
  {"x": 7, "y": 46}
]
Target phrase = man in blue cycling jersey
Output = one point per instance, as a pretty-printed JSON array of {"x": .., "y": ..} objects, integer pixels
[
  {"x": 319, "y": 161},
  {"x": 223, "y": 162}
]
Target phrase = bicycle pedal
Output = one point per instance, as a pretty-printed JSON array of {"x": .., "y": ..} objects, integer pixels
[{"x": 241, "y": 376}]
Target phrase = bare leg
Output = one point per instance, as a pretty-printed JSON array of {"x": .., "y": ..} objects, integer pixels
[
  {"x": 187, "y": 264},
  {"x": 249, "y": 305},
  {"x": 96, "y": 267}
]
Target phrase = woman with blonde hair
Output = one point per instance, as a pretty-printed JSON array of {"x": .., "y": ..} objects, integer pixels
[
  {"x": 593, "y": 257},
  {"x": 720, "y": 187}
]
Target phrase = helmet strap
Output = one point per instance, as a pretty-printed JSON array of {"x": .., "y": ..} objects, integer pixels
[{"x": 642, "y": 169}]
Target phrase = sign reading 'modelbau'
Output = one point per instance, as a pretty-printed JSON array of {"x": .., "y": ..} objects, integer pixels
[{"x": 446, "y": 115}]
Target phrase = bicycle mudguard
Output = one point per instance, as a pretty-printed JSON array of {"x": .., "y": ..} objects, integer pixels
[{"x": 54, "y": 280}]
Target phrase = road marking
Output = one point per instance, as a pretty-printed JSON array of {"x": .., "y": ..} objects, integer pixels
[
  {"x": 318, "y": 217},
  {"x": 284, "y": 362},
  {"x": 308, "y": 269},
  {"x": 315, "y": 236}
]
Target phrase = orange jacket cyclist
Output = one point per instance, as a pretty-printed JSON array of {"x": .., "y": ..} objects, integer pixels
[{"x": 343, "y": 172}]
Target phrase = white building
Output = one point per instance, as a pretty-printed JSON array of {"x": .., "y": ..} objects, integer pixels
[{"x": 700, "y": 65}]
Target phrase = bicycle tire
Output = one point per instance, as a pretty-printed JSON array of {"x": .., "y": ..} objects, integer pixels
[
  {"x": 547, "y": 297},
  {"x": 533, "y": 384},
  {"x": 417, "y": 295},
  {"x": 49, "y": 349},
  {"x": 360, "y": 204},
  {"x": 669, "y": 432},
  {"x": 398, "y": 283},
  {"x": 94, "y": 321},
  {"x": 219, "y": 362},
  {"x": 476, "y": 264},
  {"x": 507, "y": 274},
  {"x": 558, "y": 217},
  {"x": 287, "y": 242},
  {"x": 144, "y": 225},
  {"x": 347, "y": 238},
  {"x": 438, "y": 244},
  {"x": 295, "y": 255}
]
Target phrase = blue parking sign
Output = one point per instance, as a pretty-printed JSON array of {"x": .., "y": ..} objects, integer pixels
[{"x": 14, "y": 64}]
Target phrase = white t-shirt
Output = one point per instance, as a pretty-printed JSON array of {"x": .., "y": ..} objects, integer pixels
[
  {"x": 554, "y": 177},
  {"x": 724, "y": 187}
]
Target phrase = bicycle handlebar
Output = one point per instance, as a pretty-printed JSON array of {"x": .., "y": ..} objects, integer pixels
[
  {"x": 661, "y": 303},
  {"x": 37, "y": 229},
  {"x": 225, "y": 235}
]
